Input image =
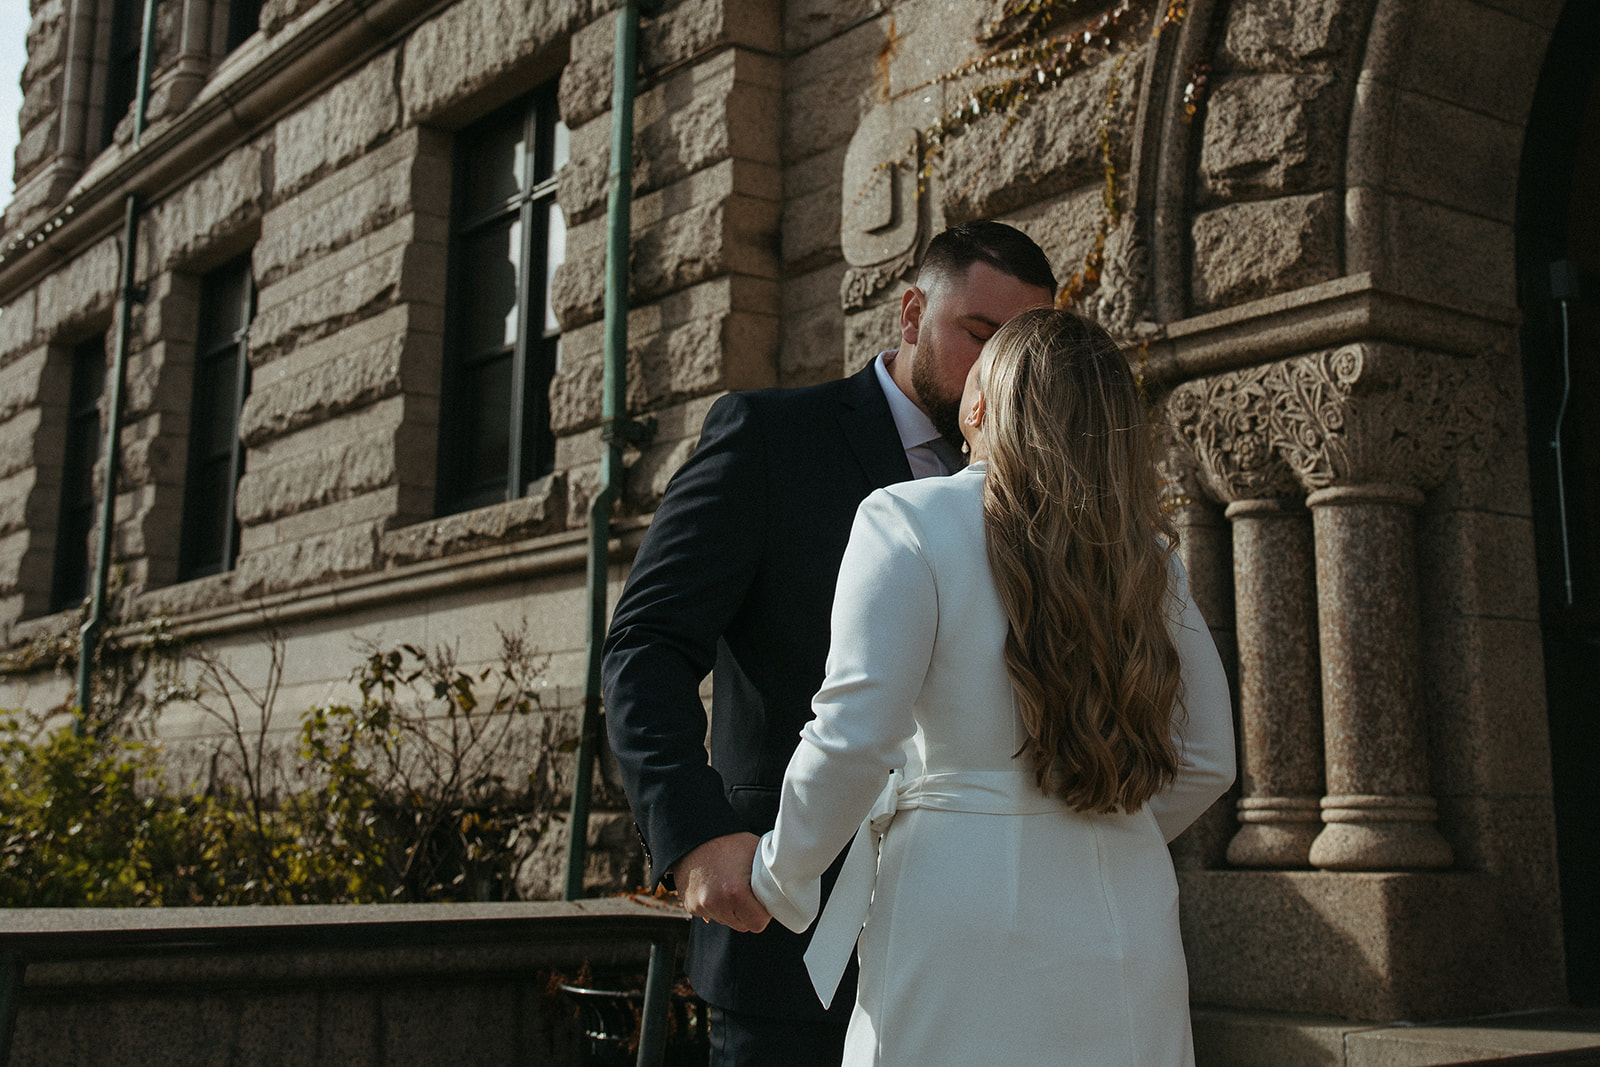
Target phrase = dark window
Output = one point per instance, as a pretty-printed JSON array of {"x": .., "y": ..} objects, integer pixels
[
  {"x": 122, "y": 75},
  {"x": 76, "y": 520},
  {"x": 508, "y": 237},
  {"x": 244, "y": 18},
  {"x": 216, "y": 457}
]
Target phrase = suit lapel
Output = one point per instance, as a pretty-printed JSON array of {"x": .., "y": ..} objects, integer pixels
[{"x": 869, "y": 428}]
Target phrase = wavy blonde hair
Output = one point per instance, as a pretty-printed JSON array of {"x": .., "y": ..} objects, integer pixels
[{"x": 1079, "y": 547}]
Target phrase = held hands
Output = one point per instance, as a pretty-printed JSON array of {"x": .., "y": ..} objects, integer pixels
[{"x": 714, "y": 883}]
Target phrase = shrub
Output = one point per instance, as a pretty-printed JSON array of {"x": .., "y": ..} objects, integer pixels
[{"x": 396, "y": 797}]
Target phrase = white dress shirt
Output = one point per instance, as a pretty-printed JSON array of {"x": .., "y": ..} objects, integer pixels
[{"x": 912, "y": 423}]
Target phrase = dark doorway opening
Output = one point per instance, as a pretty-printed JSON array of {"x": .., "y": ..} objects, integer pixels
[{"x": 1558, "y": 270}]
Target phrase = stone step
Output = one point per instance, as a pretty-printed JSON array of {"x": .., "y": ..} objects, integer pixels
[{"x": 1232, "y": 1038}]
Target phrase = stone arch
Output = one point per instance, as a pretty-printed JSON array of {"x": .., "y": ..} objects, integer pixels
[{"x": 1435, "y": 137}]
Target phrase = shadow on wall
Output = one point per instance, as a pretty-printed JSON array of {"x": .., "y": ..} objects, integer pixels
[{"x": 1379, "y": 946}]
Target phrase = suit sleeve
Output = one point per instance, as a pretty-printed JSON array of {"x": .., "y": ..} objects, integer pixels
[
  {"x": 686, "y": 586},
  {"x": 885, "y": 617},
  {"x": 1204, "y": 725}
]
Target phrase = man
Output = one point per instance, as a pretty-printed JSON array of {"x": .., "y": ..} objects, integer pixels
[{"x": 737, "y": 575}]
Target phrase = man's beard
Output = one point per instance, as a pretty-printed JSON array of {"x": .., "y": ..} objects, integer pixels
[{"x": 943, "y": 411}]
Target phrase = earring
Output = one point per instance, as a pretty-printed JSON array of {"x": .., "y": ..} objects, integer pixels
[{"x": 965, "y": 448}]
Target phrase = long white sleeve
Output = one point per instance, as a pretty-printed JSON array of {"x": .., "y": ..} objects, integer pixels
[{"x": 885, "y": 616}]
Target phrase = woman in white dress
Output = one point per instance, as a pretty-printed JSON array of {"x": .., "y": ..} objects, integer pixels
[{"x": 1022, "y": 707}]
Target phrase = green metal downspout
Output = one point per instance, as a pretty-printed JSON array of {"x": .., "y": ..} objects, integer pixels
[
  {"x": 612, "y": 400},
  {"x": 128, "y": 295},
  {"x": 89, "y": 635},
  {"x": 616, "y": 429}
]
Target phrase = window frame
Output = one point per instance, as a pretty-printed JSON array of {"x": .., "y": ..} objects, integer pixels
[
  {"x": 244, "y": 19},
  {"x": 535, "y": 350},
  {"x": 123, "y": 41},
  {"x": 78, "y": 504},
  {"x": 195, "y": 557}
]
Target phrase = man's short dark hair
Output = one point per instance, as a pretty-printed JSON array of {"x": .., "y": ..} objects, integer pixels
[{"x": 1005, "y": 248}]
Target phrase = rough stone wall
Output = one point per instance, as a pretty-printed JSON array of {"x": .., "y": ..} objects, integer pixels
[
  {"x": 1268, "y": 215},
  {"x": 38, "y": 331},
  {"x": 1042, "y": 169},
  {"x": 33, "y": 389},
  {"x": 1338, "y": 368},
  {"x": 39, "y": 121},
  {"x": 707, "y": 192},
  {"x": 1330, "y": 133},
  {"x": 344, "y": 206},
  {"x": 342, "y": 202}
]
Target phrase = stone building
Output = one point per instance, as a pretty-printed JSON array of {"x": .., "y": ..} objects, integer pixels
[{"x": 362, "y": 395}]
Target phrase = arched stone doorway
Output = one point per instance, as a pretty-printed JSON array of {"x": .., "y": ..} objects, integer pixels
[
  {"x": 1558, "y": 267},
  {"x": 1413, "y": 691}
]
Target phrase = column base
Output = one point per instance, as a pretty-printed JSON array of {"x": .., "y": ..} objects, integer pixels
[
  {"x": 1277, "y": 832},
  {"x": 1380, "y": 833}
]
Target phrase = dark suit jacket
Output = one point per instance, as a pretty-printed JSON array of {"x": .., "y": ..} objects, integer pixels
[{"x": 737, "y": 573}]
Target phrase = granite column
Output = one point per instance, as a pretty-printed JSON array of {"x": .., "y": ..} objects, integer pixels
[
  {"x": 1378, "y": 810},
  {"x": 1280, "y": 713}
]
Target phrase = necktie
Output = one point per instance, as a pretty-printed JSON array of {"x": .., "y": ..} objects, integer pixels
[{"x": 948, "y": 454}]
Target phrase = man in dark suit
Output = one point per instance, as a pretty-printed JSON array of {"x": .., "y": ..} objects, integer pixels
[{"x": 736, "y": 577}]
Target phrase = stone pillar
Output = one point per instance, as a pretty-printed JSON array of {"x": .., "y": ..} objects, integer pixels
[
  {"x": 182, "y": 76},
  {"x": 1204, "y": 550},
  {"x": 1378, "y": 812},
  {"x": 1279, "y": 691}
]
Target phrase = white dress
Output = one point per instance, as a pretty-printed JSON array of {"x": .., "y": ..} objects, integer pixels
[{"x": 1003, "y": 927}]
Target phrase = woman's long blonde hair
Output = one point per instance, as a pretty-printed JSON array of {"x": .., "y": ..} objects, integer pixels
[{"x": 1079, "y": 547}]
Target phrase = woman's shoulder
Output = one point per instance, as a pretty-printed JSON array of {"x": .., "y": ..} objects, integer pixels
[
  {"x": 929, "y": 506},
  {"x": 925, "y": 493}
]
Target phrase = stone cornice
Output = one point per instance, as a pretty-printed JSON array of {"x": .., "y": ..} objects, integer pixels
[
  {"x": 251, "y": 89},
  {"x": 515, "y": 561},
  {"x": 1334, "y": 313}
]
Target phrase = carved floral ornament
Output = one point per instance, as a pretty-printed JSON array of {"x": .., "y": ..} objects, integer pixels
[{"x": 1359, "y": 414}]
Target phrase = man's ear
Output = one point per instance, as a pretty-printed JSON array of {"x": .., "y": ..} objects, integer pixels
[{"x": 912, "y": 304}]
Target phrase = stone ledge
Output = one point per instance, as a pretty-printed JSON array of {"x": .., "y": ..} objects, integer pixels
[
  {"x": 1382, "y": 945},
  {"x": 1325, "y": 315},
  {"x": 1228, "y": 1038},
  {"x": 541, "y": 511},
  {"x": 397, "y": 984},
  {"x": 553, "y": 554},
  {"x": 63, "y": 933}
]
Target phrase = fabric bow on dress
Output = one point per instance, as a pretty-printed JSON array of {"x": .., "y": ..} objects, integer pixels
[{"x": 842, "y": 919}]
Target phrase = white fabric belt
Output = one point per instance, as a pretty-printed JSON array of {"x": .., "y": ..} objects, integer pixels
[{"x": 979, "y": 792}]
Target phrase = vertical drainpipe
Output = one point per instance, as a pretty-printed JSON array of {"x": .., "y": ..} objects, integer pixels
[
  {"x": 128, "y": 295},
  {"x": 616, "y": 428}
]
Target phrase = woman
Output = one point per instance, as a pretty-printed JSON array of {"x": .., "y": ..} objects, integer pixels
[{"x": 1025, "y": 706}]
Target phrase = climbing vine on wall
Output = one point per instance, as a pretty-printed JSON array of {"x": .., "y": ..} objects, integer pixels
[
  {"x": 1087, "y": 277},
  {"x": 1027, "y": 44}
]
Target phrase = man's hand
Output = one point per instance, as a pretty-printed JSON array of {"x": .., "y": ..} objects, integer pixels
[{"x": 714, "y": 883}]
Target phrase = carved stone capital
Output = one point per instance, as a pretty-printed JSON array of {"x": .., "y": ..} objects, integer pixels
[{"x": 1358, "y": 414}]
